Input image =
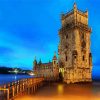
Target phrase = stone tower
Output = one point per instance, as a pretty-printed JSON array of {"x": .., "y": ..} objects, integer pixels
[
  {"x": 74, "y": 48},
  {"x": 54, "y": 60},
  {"x": 34, "y": 64},
  {"x": 55, "y": 69}
]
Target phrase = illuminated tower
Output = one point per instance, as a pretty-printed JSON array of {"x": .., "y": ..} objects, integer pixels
[
  {"x": 74, "y": 48},
  {"x": 55, "y": 68},
  {"x": 34, "y": 64},
  {"x": 54, "y": 60}
]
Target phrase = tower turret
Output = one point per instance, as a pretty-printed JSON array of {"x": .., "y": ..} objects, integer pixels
[
  {"x": 55, "y": 68},
  {"x": 54, "y": 59},
  {"x": 40, "y": 62},
  {"x": 35, "y": 61},
  {"x": 34, "y": 64},
  {"x": 75, "y": 6}
]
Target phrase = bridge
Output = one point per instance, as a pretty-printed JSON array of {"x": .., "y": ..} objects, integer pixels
[{"x": 21, "y": 87}]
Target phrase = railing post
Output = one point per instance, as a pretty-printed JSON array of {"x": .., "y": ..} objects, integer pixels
[
  {"x": 13, "y": 91},
  {"x": 20, "y": 85},
  {"x": 8, "y": 94},
  {"x": 17, "y": 88},
  {"x": 4, "y": 88},
  {"x": 23, "y": 86}
]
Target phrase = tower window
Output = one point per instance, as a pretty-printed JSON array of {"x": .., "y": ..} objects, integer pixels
[
  {"x": 83, "y": 35},
  {"x": 75, "y": 56},
  {"x": 66, "y": 58},
  {"x": 54, "y": 62},
  {"x": 83, "y": 58},
  {"x": 66, "y": 36},
  {"x": 66, "y": 46}
]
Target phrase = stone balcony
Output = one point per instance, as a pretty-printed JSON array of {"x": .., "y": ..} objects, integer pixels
[{"x": 74, "y": 25}]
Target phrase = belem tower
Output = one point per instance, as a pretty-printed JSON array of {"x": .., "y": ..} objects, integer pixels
[{"x": 75, "y": 57}]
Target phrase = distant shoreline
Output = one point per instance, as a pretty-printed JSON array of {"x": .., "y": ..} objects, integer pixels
[
  {"x": 13, "y": 74},
  {"x": 19, "y": 71}
]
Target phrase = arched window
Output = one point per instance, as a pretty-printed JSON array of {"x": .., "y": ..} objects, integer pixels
[{"x": 75, "y": 54}]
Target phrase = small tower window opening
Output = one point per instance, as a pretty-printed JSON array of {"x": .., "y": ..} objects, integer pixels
[
  {"x": 67, "y": 36},
  {"x": 83, "y": 35},
  {"x": 75, "y": 56},
  {"x": 54, "y": 62},
  {"x": 66, "y": 58},
  {"x": 66, "y": 46},
  {"x": 83, "y": 58}
]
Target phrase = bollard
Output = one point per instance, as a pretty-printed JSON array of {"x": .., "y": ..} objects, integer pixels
[
  {"x": 8, "y": 94},
  {"x": 13, "y": 91}
]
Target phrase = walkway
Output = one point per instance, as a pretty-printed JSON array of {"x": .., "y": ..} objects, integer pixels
[{"x": 57, "y": 91}]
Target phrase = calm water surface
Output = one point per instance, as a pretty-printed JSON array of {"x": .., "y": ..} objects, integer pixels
[{"x": 11, "y": 77}]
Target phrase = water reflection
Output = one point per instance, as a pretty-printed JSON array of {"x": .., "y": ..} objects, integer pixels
[
  {"x": 15, "y": 77},
  {"x": 96, "y": 88},
  {"x": 60, "y": 89},
  {"x": 57, "y": 91}
]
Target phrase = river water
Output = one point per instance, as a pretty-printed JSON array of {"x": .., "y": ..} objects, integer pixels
[{"x": 6, "y": 78}]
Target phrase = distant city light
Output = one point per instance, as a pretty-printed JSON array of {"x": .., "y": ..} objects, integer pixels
[{"x": 16, "y": 71}]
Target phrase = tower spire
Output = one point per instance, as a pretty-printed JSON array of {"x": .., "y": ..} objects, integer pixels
[
  {"x": 55, "y": 58},
  {"x": 40, "y": 62},
  {"x": 75, "y": 5},
  {"x": 35, "y": 61}
]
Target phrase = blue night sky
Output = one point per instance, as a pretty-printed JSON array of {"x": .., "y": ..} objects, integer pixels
[{"x": 29, "y": 28}]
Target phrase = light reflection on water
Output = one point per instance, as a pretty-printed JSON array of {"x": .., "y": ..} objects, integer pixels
[
  {"x": 60, "y": 89},
  {"x": 15, "y": 77},
  {"x": 57, "y": 91}
]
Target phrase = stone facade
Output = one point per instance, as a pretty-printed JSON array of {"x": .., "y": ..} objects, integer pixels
[
  {"x": 74, "y": 48},
  {"x": 49, "y": 71}
]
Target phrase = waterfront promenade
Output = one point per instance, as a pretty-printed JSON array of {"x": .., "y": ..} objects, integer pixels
[
  {"x": 35, "y": 89},
  {"x": 61, "y": 91},
  {"x": 20, "y": 87}
]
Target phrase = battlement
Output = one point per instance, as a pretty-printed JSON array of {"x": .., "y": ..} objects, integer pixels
[{"x": 75, "y": 15}]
